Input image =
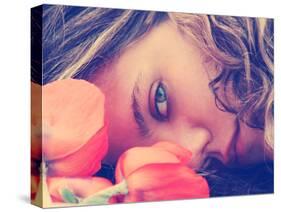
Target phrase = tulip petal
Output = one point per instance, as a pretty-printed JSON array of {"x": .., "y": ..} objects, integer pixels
[
  {"x": 160, "y": 152},
  {"x": 136, "y": 157},
  {"x": 183, "y": 154},
  {"x": 72, "y": 112},
  {"x": 85, "y": 162},
  {"x": 154, "y": 182},
  {"x": 70, "y": 127}
]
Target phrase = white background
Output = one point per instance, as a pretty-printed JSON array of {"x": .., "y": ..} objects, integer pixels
[{"x": 14, "y": 104}]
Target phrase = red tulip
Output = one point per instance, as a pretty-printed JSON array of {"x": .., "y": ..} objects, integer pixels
[
  {"x": 71, "y": 128},
  {"x": 85, "y": 161},
  {"x": 181, "y": 153},
  {"x": 165, "y": 181},
  {"x": 161, "y": 152},
  {"x": 159, "y": 172}
]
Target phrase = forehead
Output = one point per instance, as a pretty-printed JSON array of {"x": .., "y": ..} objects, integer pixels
[{"x": 164, "y": 39}]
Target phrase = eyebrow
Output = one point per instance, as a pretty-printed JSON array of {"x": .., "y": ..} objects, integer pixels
[{"x": 142, "y": 126}]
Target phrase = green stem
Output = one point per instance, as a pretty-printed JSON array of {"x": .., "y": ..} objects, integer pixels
[{"x": 103, "y": 196}]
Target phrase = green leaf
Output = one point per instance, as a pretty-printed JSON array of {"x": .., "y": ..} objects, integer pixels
[
  {"x": 68, "y": 196},
  {"x": 102, "y": 197},
  {"x": 97, "y": 200}
]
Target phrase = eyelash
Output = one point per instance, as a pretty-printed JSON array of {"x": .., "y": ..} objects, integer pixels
[{"x": 154, "y": 105}]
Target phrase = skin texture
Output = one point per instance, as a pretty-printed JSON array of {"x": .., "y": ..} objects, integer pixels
[{"x": 194, "y": 121}]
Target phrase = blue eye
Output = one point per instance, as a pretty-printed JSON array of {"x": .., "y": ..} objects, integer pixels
[{"x": 159, "y": 102}]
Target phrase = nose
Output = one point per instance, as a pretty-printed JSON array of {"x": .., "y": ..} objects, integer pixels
[{"x": 195, "y": 139}]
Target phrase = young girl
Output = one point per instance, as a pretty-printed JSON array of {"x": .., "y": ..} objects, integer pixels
[{"x": 203, "y": 81}]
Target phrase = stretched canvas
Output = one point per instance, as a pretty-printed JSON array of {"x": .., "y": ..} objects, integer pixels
[{"x": 138, "y": 106}]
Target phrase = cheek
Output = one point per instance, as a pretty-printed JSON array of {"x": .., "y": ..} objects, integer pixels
[
  {"x": 198, "y": 103},
  {"x": 191, "y": 96},
  {"x": 197, "y": 107},
  {"x": 117, "y": 90},
  {"x": 123, "y": 133},
  {"x": 120, "y": 125}
]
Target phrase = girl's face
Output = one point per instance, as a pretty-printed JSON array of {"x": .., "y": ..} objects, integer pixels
[{"x": 157, "y": 89}]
